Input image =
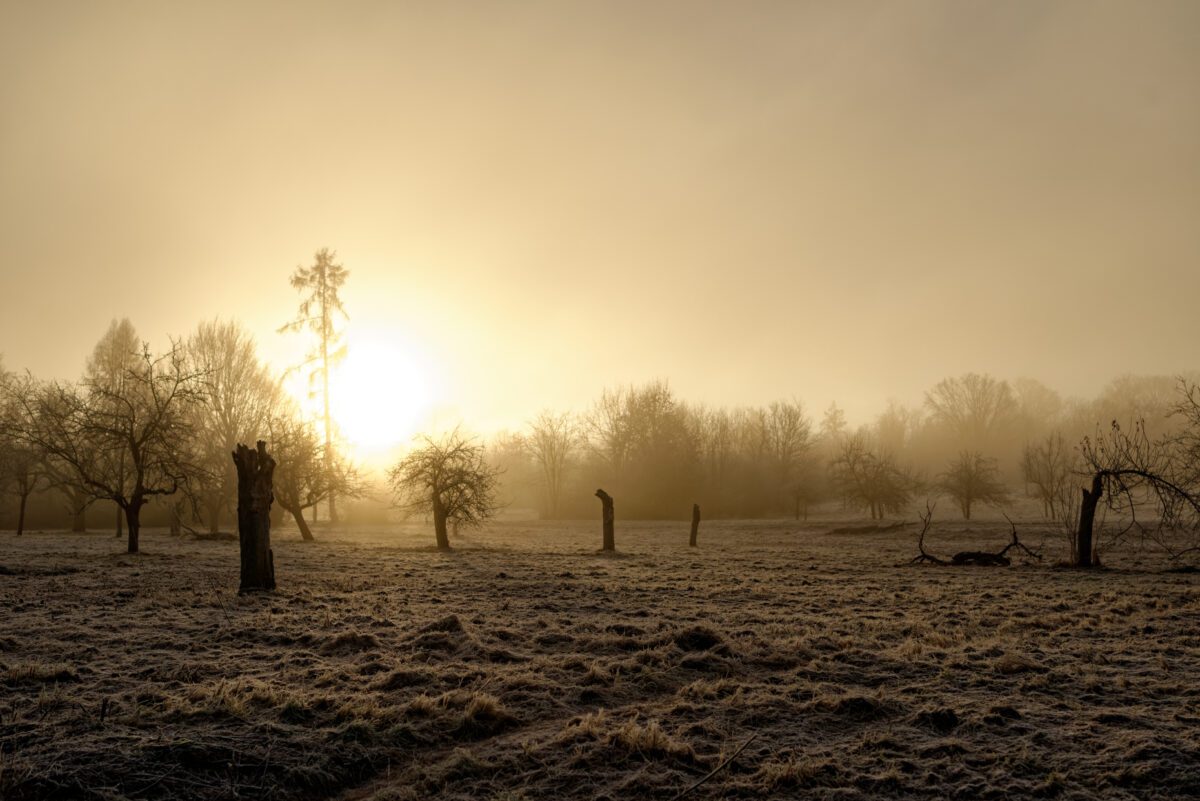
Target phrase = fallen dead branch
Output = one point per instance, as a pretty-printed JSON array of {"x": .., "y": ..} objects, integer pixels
[{"x": 979, "y": 558}]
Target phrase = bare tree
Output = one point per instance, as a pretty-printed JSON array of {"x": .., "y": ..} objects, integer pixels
[
  {"x": 833, "y": 424},
  {"x": 448, "y": 478},
  {"x": 973, "y": 478},
  {"x": 867, "y": 477},
  {"x": 240, "y": 395},
  {"x": 303, "y": 476},
  {"x": 319, "y": 313},
  {"x": 974, "y": 407},
  {"x": 552, "y": 440},
  {"x": 609, "y": 430},
  {"x": 24, "y": 468},
  {"x": 1130, "y": 471},
  {"x": 125, "y": 438},
  {"x": 1049, "y": 467},
  {"x": 117, "y": 352},
  {"x": 789, "y": 440}
]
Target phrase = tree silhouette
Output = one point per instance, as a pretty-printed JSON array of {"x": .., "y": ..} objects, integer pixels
[
  {"x": 973, "y": 478},
  {"x": 552, "y": 440},
  {"x": 448, "y": 478},
  {"x": 318, "y": 313},
  {"x": 126, "y": 440}
]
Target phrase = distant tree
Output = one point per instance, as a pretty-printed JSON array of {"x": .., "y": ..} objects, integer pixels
[
  {"x": 124, "y": 436},
  {"x": 716, "y": 435},
  {"x": 24, "y": 470},
  {"x": 645, "y": 442},
  {"x": 448, "y": 478},
  {"x": 117, "y": 352},
  {"x": 551, "y": 442},
  {"x": 319, "y": 313},
  {"x": 975, "y": 408},
  {"x": 869, "y": 478},
  {"x": 22, "y": 466},
  {"x": 240, "y": 396},
  {"x": 973, "y": 478},
  {"x": 1038, "y": 407},
  {"x": 789, "y": 441},
  {"x": 609, "y": 430},
  {"x": 1048, "y": 465},
  {"x": 833, "y": 423},
  {"x": 303, "y": 476},
  {"x": 896, "y": 426}
]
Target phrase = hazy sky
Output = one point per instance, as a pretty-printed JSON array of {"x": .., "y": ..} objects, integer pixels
[{"x": 831, "y": 200}]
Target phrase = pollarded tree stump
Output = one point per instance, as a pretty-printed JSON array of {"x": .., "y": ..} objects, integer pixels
[
  {"x": 255, "y": 471},
  {"x": 610, "y": 543},
  {"x": 695, "y": 524}
]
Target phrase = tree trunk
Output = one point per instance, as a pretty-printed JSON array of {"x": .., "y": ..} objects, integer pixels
[
  {"x": 21, "y": 514},
  {"x": 176, "y": 520},
  {"x": 302, "y": 524},
  {"x": 1087, "y": 516},
  {"x": 79, "y": 518},
  {"x": 133, "y": 514},
  {"x": 608, "y": 517},
  {"x": 120, "y": 521},
  {"x": 439, "y": 524},
  {"x": 214, "y": 516},
  {"x": 695, "y": 524},
  {"x": 255, "y": 471}
]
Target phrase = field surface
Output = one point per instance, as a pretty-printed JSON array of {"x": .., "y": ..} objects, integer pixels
[{"x": 526, "y": 665}]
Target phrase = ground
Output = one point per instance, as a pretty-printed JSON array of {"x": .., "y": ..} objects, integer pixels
[{"x": 527, "y": 665}]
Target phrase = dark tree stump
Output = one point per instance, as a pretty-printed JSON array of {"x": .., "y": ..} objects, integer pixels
[
  {"x": 695, "y": 524},
  {"x": 1087, "y": 517},
  {"x": 610, "y": 543},
  {"x": 255, "y": 471}
]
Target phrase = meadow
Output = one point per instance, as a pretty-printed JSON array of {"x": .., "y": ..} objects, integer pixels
[{"x": 525, "y": 664}]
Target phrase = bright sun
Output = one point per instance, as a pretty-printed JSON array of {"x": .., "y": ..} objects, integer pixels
[{"x": 379, "y": 394}]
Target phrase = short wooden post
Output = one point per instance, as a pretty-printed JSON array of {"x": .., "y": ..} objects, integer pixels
[
  {"x": 255, "y": 471},
  {"x": 695, "y": 524},
  {"x": 607, "y": 508}
]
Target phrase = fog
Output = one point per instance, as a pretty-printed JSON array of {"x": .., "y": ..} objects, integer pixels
[
  {"x": 423, "y": 400},
  {"x": 833, "y": 202}
]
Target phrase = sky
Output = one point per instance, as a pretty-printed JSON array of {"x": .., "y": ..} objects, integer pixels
[{"x": 832, "y": 201}]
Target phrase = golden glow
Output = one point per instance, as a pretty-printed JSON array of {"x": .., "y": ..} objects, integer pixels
[{"x": 380, "y": 394}]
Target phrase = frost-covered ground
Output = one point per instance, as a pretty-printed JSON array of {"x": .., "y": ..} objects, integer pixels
[{"x": 525, "y": 665}]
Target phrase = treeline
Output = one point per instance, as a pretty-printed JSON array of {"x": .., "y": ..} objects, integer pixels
[
  {"x": 144, "y": 431},
  {"x": 975, "y": 440}
]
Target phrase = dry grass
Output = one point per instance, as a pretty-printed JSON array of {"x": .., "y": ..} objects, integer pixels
[{"x": 525, "y": 666}]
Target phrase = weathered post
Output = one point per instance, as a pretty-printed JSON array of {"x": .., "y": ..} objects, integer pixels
[
  {"x": 1087, "y": 517},
  {"x": 695, "y": 524},
  {"x": 255, "y": 471},
  {"x": 607, "y": 502}
]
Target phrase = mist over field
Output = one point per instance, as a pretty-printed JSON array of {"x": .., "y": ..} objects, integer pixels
[{"x": 599, "y": 400}]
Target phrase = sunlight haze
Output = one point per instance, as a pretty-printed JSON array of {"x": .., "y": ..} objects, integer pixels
[{"x": 836, "y": 202}]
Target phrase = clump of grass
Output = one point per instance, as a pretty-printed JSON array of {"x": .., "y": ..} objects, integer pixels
[
  {"x": 349, "y": 642},
  {"x": 1011, "y": 664},
  {"x": 36, "y": 673},
  {"x": 648, "y": 740},
  {"x": 402, "y": 678},
  {"x": 778, "y": 774},
  {"x": 697, "y": 638},
  {"x": 857, "y": 707}
]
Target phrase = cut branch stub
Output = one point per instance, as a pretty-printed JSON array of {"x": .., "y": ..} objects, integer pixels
[
  {"x": 608, "y": 517},
  {"x": 255, "y": 471}
]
